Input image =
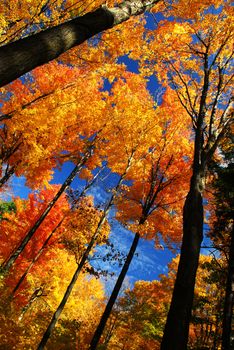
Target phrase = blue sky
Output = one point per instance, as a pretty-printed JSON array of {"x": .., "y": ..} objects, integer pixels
[{"x": 148, "y": 262}]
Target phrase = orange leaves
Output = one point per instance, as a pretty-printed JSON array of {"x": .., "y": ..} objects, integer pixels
[
  {"x": 27, "y": 212},
  {"x": 152, "y": 204},
  {"x": 142, "y": 310},
  {"x": 52, "y": 119}
]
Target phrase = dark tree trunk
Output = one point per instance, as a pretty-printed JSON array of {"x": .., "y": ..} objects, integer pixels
[
  {"x": 10, "y": 261},
  {"x": 23, "y": 55},
  {"x": 177, "y": 325},
  {"x": 37, "y": 256},
  {"x": 114, "y": 294},
  {"x": 60, "y": 308},
  {"x": 229, "y": 301},
  {"x": 7, "y": 175},
  {"x": 71, "y": 285}
]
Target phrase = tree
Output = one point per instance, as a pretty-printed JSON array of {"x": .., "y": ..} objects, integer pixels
[
  {"x": 150, "y": 204},
  {"x": 66, "y": 248},
  {"x": 141, "y": 312},
  {"x": 43, "y": 47},
  {"x": 50, "y": 114},
  {"x": 80, "y": 264},
  {"x": 23, "y": 322},
  {"x": 5, "y": 267},
  {"x": 14, "y": 224},
  {"x": 70, "y": 215},
  {"x": 197, "y": 65},
  {"x": 132, "y": 143}
]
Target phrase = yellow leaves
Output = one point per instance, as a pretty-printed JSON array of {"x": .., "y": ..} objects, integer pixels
[{"x": 79, "y": 227}]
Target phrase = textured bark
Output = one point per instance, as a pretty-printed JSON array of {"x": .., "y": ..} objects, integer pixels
[
  {"x": 114, "y": 294},
  {"x": 229, "y": 302},
  {"x": 177, "y": 325},
  {"x": 25, "y": 54}
]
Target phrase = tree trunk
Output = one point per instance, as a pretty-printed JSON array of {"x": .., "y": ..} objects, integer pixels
[
  {"x": 46, "y": 242},
  {"x": 25, "y": 54},
  {"x": 7, "y": 175},
  {"x": 10, "y": 261},
  {"x": 114, "y": 294},
  {"x": 177, "y": 325},
  {"x": 229, "y": 301},
  {"x": 36, "y": 257},
  {"x": 82, "y": 261}
]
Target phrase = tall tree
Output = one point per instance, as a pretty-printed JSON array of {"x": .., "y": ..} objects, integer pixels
[
  {"x": 84, "y": 257},
  {"x": 151, "y": 203},
  {"x": 68, "y": 217},
  {"x": 23, "y": 55},
  {"x": 141, "y": 312},
  {"x": 197, "y": 65}
]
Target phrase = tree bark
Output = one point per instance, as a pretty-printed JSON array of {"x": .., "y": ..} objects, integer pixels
[
  {"x": 114, "y": 294},
  {"x": 25, "y": 54},
  {"x": 177, "y": 325},
  {"x": 229, "y": 301}
]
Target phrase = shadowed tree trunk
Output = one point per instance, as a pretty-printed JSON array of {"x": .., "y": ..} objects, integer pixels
[
  {"x": 114, "y": 294},
  {"x": 7, "y": 175},
  {"x": 158, "y": 181},
  {"x": 210, "y": 124},
  {"x": 25, "y": 54},
  {"x": 177, "y": 326},
  {"x": 229, "y": 301}
]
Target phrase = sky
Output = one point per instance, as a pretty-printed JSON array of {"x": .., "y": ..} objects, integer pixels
[{"x": 148, "y": 262}]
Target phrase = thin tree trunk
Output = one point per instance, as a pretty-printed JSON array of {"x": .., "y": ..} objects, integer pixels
[
  {"x": 37, "y": 256},
  {"x": 10, "y": 261},
  {"x": 25, "y": 54},
  {"x": 82, "y": 262},
  {"x": 114, "y": 294},
  {"x": 229, "y": 301},
  {"x": 177, "y": 325},
  {"x": 7, "y": 175},
  {"x": 45, "y": 244}
]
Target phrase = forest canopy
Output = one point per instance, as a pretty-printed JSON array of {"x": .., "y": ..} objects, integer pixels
[{"x": 116, "y": 136}]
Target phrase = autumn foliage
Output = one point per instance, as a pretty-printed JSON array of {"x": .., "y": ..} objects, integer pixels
[{"x": 143, "y": 111}]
